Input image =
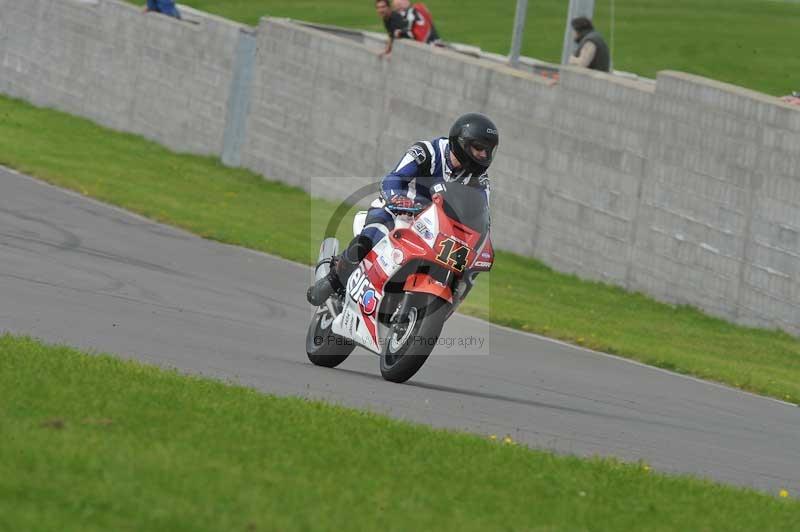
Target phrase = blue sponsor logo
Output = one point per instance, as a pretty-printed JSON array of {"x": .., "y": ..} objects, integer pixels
[{"x": 369, "y": 302}]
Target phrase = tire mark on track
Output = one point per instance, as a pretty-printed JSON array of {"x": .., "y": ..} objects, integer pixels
[
  {"x": 130, "y": 299},
  {"x": 69, "y": 241}
]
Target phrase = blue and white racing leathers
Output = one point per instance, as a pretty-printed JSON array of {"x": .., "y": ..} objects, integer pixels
[{"x": 426, "y": 164}]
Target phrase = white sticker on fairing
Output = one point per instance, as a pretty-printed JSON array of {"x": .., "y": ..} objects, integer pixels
[
  {"x": 423, "y": 231},
  {"x": 344, "y": 324},
  {"x": 349, "y": 322},
  {"x": 383, "y": 250},
  {"x": 386, "y": 266},
  {"x": 426, "y": 227}
]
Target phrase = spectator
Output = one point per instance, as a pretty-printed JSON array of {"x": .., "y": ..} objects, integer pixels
[
  {"x": 393, "y": 21},
  {"x": 166, "y": 7},
  {"x": 794, "y": 99},
  {"x": 592, "y": 49},
  {"x": 418, "y": 21}
]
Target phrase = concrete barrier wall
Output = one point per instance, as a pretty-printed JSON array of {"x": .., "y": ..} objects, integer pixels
[
  {"x": 316, "y": 110},
  {"x": 148, "y": 74},
  {"x": 720, "y": 209},
  {"x": 688, "y": 190}
]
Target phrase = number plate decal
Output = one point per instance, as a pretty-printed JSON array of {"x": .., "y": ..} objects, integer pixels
[{"x": 453, "y": 254}]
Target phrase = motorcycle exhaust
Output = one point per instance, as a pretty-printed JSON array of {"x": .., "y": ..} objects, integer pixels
[{"x": 327, "y": 250}]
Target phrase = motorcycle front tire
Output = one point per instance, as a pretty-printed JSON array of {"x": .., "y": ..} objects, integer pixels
[{"x": 402, "y": 360}]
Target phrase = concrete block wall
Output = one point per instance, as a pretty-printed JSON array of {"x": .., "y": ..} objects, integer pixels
[
  {"x": 106, "y": 60},
  {"x": 717, "y": 214},
  {"x": 594, "y": 166},
  {"x": 316, "y": 110},
  {"x": 688, "y": 190}
]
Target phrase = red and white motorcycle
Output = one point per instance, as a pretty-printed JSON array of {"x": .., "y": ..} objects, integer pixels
[{"x": 398, "y": 299}]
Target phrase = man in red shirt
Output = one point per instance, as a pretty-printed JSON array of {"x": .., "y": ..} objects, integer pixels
[
  {"x": 419, "y": 22},
  {"x": 794, "y": 99}
]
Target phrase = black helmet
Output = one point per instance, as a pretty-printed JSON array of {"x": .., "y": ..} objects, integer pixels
[{"x": 474, "y": 130}]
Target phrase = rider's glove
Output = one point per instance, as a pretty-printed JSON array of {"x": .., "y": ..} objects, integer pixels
[{"x": 399, "y": 201}]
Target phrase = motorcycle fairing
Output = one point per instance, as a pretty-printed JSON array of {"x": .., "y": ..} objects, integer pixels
[
  {"x": 364, "y": 295},
  {"x": 431, "y": 237},
  {"x": 484, "y": 258}
]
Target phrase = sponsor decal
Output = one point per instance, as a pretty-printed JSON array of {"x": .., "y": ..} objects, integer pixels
[
  {"x": 357, "y": 284},
  {"x": 491, "y": 131},
  {"x": 453, "y": 254},
  {"x": 398, "y": 256},
  {"x": 369, "y": 302},
  {"x": 418, "y": 153},
  {"x": 482, "y": 264},
  {"x": 423, "y": 230},
  {"x": 347, "y": 322},
  {"x": 486, "y": 255},
  {"x": 438, "y": 187},
  {"x": 354, "y": 279}
]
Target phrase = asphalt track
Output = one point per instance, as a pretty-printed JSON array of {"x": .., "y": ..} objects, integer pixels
[{"x": 78, "y": 272}]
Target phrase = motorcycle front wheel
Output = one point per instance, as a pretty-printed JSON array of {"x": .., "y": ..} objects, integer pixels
[{"x": 412, "y": 337}]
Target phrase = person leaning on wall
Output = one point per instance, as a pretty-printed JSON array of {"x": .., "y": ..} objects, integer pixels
[
  {"x": 592, "y": 51},
  {"x": 165, "y": 7},
  {"x": 393, "y": 21},
  {"x": 793, "y": 98},
  {"x": 419, "y": 21}
]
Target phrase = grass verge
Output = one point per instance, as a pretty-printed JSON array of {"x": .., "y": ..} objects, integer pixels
[
  {"x": 97, "y": 443},
  {"x": 747, "y": 42},
  {"x": 239, "y": 207}
]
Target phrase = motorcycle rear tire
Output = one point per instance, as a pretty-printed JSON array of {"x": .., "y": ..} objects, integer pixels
[{"x": 323, "y": 347}]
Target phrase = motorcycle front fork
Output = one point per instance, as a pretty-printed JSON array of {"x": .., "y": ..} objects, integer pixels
[{"x": 402, "y": 309}]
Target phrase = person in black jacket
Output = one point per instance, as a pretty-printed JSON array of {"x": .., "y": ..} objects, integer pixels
[
  {"x": 393, "y": 21},
  {"x": 592, "y": 51}
]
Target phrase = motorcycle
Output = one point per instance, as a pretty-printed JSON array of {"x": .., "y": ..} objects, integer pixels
[{"x": 396, "y": 302}]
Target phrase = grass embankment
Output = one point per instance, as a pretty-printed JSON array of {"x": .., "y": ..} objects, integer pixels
[
  {"x": 747, "y": 42},
  {"x": 239, "y": 207},
  {"x": 97, "y": 443}
]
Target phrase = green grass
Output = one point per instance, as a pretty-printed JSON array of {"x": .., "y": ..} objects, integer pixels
[
  {"x": 746, "y": 42},
  {"x": 98, "y": 443},
  {"x": 239, "y": 207}
]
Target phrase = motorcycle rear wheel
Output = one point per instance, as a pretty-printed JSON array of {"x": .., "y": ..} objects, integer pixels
[{"x": 323, "y": 347}]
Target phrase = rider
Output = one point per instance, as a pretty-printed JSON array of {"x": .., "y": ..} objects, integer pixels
[{"x": 463, "y": 157}]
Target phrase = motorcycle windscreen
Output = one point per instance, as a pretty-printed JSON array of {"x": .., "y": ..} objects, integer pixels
[{"x": 467, "y": 205}]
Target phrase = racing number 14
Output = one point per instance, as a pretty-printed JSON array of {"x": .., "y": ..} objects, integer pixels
[{"x": 453, "y": 254}]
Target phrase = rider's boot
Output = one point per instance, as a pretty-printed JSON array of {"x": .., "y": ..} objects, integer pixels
[{"x": 341, "y": 269}]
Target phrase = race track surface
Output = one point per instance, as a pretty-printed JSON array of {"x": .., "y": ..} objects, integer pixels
[{"x": 78, "y": 272}]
